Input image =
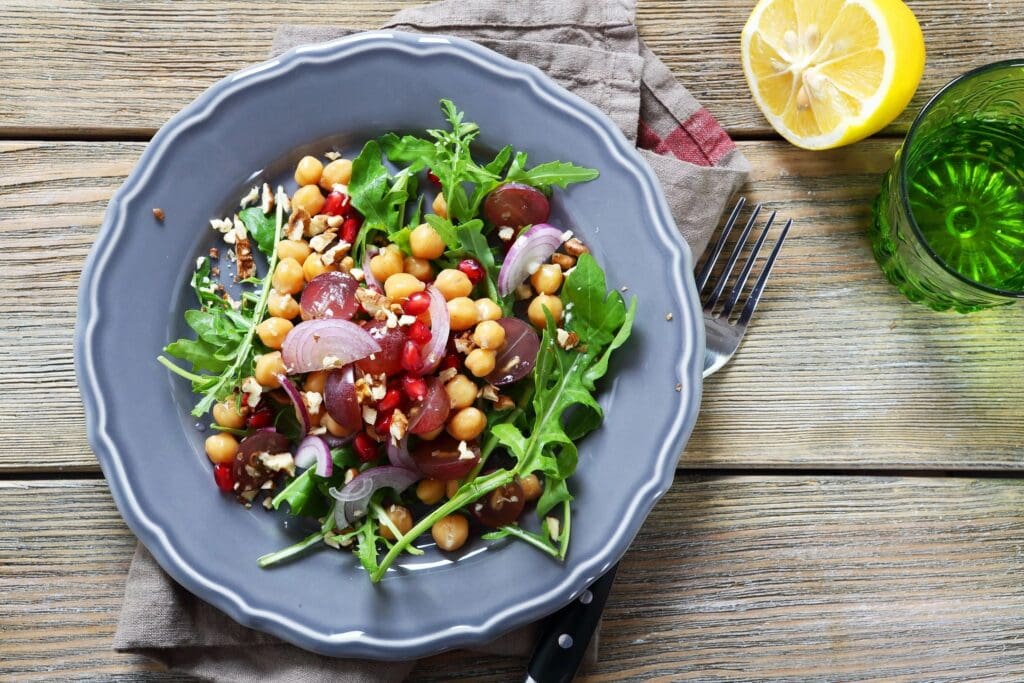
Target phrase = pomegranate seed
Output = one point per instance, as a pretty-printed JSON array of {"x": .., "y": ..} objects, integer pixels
[
  {"x": 225, "y": 480},
  {"x": 337, "y": 204},
  {"x": 392, "y": 399},
  {"x": 415, "y": 388},
  {"x": 260, "y": 418},
  {"x": 419, "y": 333},
  {"x": 383, "y": 424},
  {"x": 411, "y": 359},
  {"x": 350, "y": 228},
  {"x": 417, "y": 303},
  {"x": 451, "y": 361},
  {"x": 472, "y": 269},
  {"x": 366, "y": 448},
  {"x": 433, "y": 178}
]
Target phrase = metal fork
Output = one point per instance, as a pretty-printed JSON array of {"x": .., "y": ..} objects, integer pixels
[
  {"x": 567, "y": 633},
  {"x": 724, "y": 335}
]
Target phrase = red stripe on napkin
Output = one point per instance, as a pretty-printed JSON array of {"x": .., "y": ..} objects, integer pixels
[{"x": 698, "y": 140}]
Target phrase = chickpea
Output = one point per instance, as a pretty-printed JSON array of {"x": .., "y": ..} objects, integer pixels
[
  {"x": 536, "y": 310},
  {"x": 401, "y": 518},
  {"x": 453, "y": 284},
  {"x": 272, "y": 331},
  {"x": 451, "y": 487},
  {"x": 532, "y": 488},
  {"x": 308, "y": 197},
  {"x": 308, "y": 171},
  {"x": 425, "y": 242},
  {"x": 486, "y": 309},
  {"x": 419, "y": 268},
  {"x": 489, "y": 335},
  {"x": 481, "y": 362},
  {"x": 547, "y": 279},
  {"x": 314, "y": 265},
  {"x": 385, "y": 264},
  {"x": 268, "y": 366},
  {"x": 451, "y": 532},
  {"x": 461, "y": 392},
  {"x": 297, "y": 250},
  {"x": 430, "y": 491},
  {"x": 226, "y": 414},
  {"x": 288, "y": 278},
  {"x": 338, "y": 172},
  {"x": 462, "y": 312},
  {"x": 221, "y": 448},
  {"x": 440, "y": 206},
  {"x": 333, "y": 427},
  {"x": 467, "y": 424},
  {"x": 282, "y": 305},
  {"x": 401, "y": 285},
  {"x": 315, "y": 381}
]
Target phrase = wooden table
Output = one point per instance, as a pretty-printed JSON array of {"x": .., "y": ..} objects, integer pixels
[{"x": 848, "y": 507}]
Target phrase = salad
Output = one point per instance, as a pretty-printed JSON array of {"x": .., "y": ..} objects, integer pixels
[{"x": 392, "y": 371}]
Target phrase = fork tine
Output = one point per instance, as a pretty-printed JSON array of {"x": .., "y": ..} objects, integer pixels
[
  {"x": 755, "y": 293},
  {"x": 741, "y": 282},
  {"x": 723, "y": 278},
  {"x": 709, "y": 264}
]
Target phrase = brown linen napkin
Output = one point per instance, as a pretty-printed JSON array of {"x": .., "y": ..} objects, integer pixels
[{"x": 590, "y": 48}]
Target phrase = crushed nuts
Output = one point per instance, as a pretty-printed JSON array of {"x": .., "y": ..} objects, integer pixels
[
  {"x": 338, "y": 250},
  {"x": 504, "y": 403},
  {"x": 214, "y": 252},
  {"x": 298, "y": 223},
  {"x": 250, "y": 198},
  {"x": 246, "y": 263},
  {"x": 574, "y": 247},
  {"x": 267, "y": 199},
  {"x": 158, "y": 214},
  {"x": 318, "y": 224},
  {"x": 399, "y": 425},
  {"x": 563, "y": 261},
  {"x": 567, "y": 340},
  {"x": 322, "y": 241}
]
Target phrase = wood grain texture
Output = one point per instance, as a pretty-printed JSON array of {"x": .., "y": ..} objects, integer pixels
[
  {"x": 123, "y": 68},
  {"x": 733, "y": 578},
  {"x": 838, "y": 370}
]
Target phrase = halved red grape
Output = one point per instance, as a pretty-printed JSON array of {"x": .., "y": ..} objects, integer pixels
[
  {"x": 247, "y": 470},
  {"x": 389, "y": 359},
  {"x": 330, "y": 295},
  {"x": 501, "y": 506},
  {"x": 340, "y": 399},
  {"x": 430, "y": 413},
  {"x": 516, "y": 205},
  {"x": 519, "y": 354},
  {"x": 442, "y": 459}
]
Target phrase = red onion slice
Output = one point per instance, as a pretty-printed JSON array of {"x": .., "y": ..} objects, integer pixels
[
  {"x": 368, "y": 277},
  {"x": 398, "y": 454},
  {"x": 527, "y": 253},
  {"x": 355, "y": 496},
  {"x": 440, "y": 328},
  {"x": 301, "y": 412},
  {"x": 323, "y": 344},
  {"x": 312, "y": 450},
  {"x": 517, "y": 358}
]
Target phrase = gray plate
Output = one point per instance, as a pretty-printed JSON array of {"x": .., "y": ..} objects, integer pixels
[{"x": 134, "y": 289}]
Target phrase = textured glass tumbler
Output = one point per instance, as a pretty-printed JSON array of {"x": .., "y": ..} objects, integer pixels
[{"x": 948, "y": 227}]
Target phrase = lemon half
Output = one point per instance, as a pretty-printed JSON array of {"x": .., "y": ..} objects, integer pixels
[{"x": 826, "y": 73}]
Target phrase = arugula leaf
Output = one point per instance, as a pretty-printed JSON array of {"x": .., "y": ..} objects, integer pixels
[
  {"x": 302, "y": 495},
  {"x": 544, "y": 176},
  {"x": 261, "y": 226},
  {"x": 408, "y": 149},
  {"x": 197, "y": 352},
  {"x": 379, "y": 197},
  {"x": 564, "y": 381}
]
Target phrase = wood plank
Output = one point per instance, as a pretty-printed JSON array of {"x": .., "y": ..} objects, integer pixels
[
  {"x": 732, "y": 578},
  {"x": 126, "y": 68},
  {"x": 837, "y": 370}
]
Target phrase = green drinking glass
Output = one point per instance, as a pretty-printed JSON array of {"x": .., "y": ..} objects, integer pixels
[{"x": 948, "y": 226}]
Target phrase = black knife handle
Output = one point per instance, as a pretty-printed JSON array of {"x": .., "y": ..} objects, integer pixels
[{"x": 567, "y": 633}]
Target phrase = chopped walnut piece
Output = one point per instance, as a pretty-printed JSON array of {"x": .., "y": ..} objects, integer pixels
[
  {"x": 464, "y": 342},
  {"x": 399, "y": 425},
  {"x": 506, "y": 233},
  {"x": 250, "y": 198},
  {"x": 489, "y": 392},
  {"x": 447, "y": 374},
  {"x": 246, "y": 263},
  {"x": 336, "y": 253},
  {"x": 563, "y": 261},
  {"x": 574, "y": 247},
  {"x": 318, "y": 224},
  {"x": 373, "y": 302},
  {"x": 332, "y": 155},
  {"x": 214, "y": 252},
  {"x": 504, "y": 403},
  {"x": 322, "y": 241},
  {"x": 267, "y": 199},
  {"x": 567, "y": 340},
  {"x": 158, "y": 214},
  {"x": 298, "y": 223}
]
